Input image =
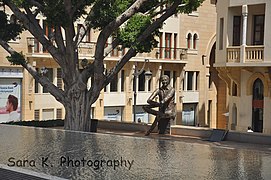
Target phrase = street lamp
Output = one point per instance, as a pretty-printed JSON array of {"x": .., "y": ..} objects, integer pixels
[{"x": 136, "y": 73}]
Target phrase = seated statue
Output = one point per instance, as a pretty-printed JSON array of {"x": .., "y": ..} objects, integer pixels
[{"x": 166, "y": 107}]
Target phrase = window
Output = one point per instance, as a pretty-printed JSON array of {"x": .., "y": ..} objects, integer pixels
[
  {"x": 236, "y": 31},
  {"x": 141, "y": 81},
  {"x": 105, "y": 87},
  {"x": 234, "y": 89},
  {"x": 114, "y": 84},
  {"x": 36, "y": 46},
  {"x": 59, "y": 79},
  {"x": 160, "y": 45},
  {"x": 58, "y": 113},
  {"x": 48, "y": 31},
  {"x": 221, "y": 33},
  {"x": 122, "y": 80},
  {"x": 258, "y": 30},
  {"x": 175, "y": 46},
  {"x": 191, "y": 81},
  {"x": 168, "y": 45},
  {"x": 88, "y": 37},
  {"x": 37, "y": 114},
  {"x": 36, "y": 83},
  {"x": 189, "y": 37},
  {"x": 149, "y": 85},
  {"x": 195, "y": 39},
  {"x": 258, "y": 90},
  {"x": 50, "y": 76}
]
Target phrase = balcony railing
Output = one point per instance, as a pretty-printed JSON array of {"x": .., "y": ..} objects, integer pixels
[
  {"x": 254, "y": 53},
  {"x": 233, "y": 54},
  {"x": 88, "y": 49},
  {"x": 251, "y": 54}
]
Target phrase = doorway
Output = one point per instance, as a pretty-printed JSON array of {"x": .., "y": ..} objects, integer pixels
[{"x": 257, "y": 106}]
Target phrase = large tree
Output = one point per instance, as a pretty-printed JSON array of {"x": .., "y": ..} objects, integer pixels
[{"x": 133, "y": 24}]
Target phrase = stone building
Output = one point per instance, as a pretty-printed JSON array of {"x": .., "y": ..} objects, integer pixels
[
  {"x": 243, "y": 59},
  {"x": 186, "y": 52}
]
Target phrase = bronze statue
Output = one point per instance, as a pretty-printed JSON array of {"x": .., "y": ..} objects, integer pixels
[{"x": 166, "y": 112}]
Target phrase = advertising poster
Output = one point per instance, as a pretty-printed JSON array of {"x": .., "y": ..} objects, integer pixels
[
  {"x": 10, "y": 100},
  {"x": 188, "y": 118},
  {"x": 112, "y": 113}
]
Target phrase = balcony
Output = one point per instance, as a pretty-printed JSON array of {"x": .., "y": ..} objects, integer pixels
[
  {"x": 87, "y": 50},
  {"x": 252, "y": 54}
]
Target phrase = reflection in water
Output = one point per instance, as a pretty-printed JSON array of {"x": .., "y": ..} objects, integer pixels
[
  {"x": 253, "y": 165},
  {"x": 99, "y": 156}
]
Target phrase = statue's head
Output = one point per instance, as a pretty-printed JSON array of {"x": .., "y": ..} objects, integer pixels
[{"x": 164, "y": 80}]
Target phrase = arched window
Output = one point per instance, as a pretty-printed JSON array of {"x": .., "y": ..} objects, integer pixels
[
  {"x": 257, "y": 106},
  {"x": 234, "y": 89},
  {"x": 195, "y": 39},
  {"x": 258, "y": 90},
  {"x": 189, "y": 38}
]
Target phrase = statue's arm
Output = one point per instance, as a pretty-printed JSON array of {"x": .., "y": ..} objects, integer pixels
[{"x": 152, "y": 96}]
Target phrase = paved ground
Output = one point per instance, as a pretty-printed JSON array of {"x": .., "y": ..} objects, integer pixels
[{"x": 190, "y": 139}]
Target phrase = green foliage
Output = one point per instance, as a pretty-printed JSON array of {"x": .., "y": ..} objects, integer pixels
[
  {"x": 135, "y": 27},
  {"x": 105, "y": 11},
  {"x": 8, "y": 30},
  {"x": 16, "y": 59}
]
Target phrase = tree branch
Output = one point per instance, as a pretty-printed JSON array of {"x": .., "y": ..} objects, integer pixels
[
  {"x": 152, "y": 27},
  {"x": 115, "y": 70},
  {"x": 44, "y": 81},
  {"x": 32, "y": 26},
  {"x": 111, "y": 47},
  {"x": 112, "y": 26},
  {"x": 70, "y": 43},
  {"x": 59, "y": 39}
]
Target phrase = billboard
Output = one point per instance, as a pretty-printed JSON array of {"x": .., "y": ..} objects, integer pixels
[{"x": 10, "y": 100}]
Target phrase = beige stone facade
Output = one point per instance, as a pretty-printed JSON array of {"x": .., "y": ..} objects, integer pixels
[
  {"x": 186, "y": 52},
  {"x": 243, "y": 60}
]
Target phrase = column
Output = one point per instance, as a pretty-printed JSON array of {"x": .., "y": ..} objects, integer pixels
[
  {"x": 244, "y": 37},
  {"x": 109, "y": 44},
  {"x": 194, "y": 81}
]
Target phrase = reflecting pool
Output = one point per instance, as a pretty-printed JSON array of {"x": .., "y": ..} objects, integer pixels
[{"x": 72, "y": 155}]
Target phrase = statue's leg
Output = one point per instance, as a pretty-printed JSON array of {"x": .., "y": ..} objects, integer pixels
[
  {"x": 152, "y": 126},
  {"x": 148, "y": 109},
  {"x": 163, "y": 125}
]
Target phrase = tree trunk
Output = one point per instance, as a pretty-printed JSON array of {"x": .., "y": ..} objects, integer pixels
[{"x": 77, "y": 111}]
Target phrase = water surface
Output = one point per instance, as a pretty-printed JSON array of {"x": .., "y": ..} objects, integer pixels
[{"x": 75, "y": 155}]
